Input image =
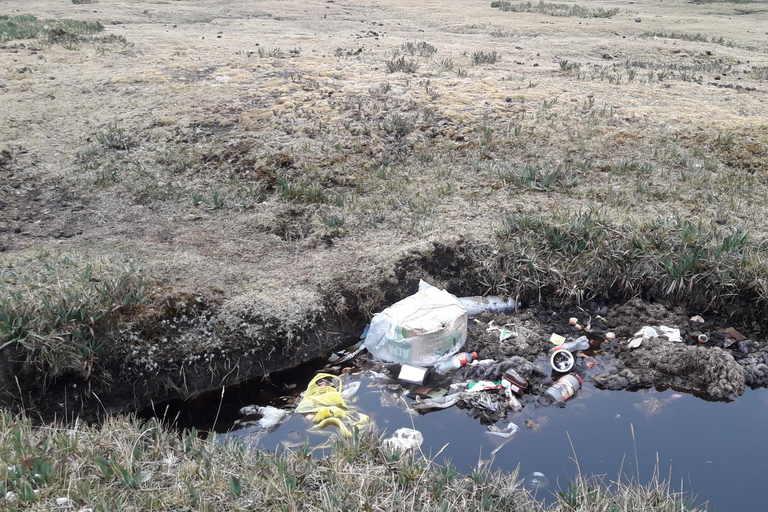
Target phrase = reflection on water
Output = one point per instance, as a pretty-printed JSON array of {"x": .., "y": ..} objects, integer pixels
[{"x": 707, "y": 447}]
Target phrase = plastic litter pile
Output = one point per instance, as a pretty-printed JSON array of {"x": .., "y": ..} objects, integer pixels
[{"x": 415, "y": 360}]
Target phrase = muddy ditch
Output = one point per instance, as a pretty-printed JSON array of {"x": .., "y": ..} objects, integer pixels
[
  {"x": 186, "y": 345},
  {"x": 718, "y": 370}
]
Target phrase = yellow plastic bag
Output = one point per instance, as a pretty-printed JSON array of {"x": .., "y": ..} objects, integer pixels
[
  {"x": 317, "y": 397},
  {"x": 335, "y": 417},
  {"x": 328, "y": 407}
]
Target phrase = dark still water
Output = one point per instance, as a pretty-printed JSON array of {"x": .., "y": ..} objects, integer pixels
[{"x": 716, "y": 451}]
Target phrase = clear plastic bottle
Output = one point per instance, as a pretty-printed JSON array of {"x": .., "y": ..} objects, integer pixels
[
  {"x": 476, "y": 305},
  {"x": 580, "y": 343},
  {"x": 452, "y": 363}
]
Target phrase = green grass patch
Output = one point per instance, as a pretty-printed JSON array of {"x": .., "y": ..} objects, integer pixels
[
  {"x": 726, "y": 1},
  {"x": 555, "y": 9},
  {"x": 479, "y": 58},
  {"x": 65, "y": 32},
  {"x": 537, "y": 177},
  {"x": 684, "y": 36},
  {"x": 51, "y": 306},
  {"x": 402, "y": 65},
  {"x": 422, "y": 48},
  {"x": 589, "y": 254}
]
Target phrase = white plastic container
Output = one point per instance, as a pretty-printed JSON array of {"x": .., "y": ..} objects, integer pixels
[{"x": 421, "y": 329}]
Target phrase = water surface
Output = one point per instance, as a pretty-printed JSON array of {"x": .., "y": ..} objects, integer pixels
[{"x": 713, "y": 449}]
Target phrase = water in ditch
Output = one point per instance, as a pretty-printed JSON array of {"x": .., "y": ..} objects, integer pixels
[{"x": 710, "y": 449}]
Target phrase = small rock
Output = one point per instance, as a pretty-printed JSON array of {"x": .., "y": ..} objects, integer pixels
[
  {"x": 11, "y": 496},
  {"x": 64, "y": 502},
  {"x": 697, "y": 319},
  {"x": 638, "y": 20}
]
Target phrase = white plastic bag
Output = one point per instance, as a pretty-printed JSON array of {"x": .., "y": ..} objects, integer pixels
[
  {"x": 421, "y": 329},
  {"x": 403, "y": 440}
]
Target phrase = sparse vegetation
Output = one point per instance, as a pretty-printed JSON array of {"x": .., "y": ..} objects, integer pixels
[
  {"x": 403, "y": 65},
  {"x": 422, "y": 49},
  {"x": 670, "y": 253},
  {"x": 698, "y": 37},
  {"x": 115, "y": 137},
  {"x": 555, "y": 9},
  {"x": 542, "y": 178},
  {"x": 480, "y": 57}
]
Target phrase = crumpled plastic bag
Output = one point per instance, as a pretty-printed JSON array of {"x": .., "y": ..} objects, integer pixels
[
  {"x": 420, "y": 329},
  {"x": 647, "y": 332},
  {"x": 403, "y": 440},
  {"x": 271, "y": 418},
  {"x": 318, "y": 396},
  {"x": 327, "y": 407}
]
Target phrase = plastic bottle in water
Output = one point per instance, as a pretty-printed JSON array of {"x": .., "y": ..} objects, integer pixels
[
  {"x": 476, "y": 305},
  {"x": 452, "y": 363},
  {"x": 580, "y": 343},
  {"x": 565, "y": 387}
]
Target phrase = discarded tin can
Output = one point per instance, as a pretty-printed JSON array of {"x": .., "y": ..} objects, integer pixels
[
  {"x": 514, "y": 382},
  {"x": 562, "y": 360},
  {"x": 565, "y": 387},
  {"x": 413, "y": 374}
]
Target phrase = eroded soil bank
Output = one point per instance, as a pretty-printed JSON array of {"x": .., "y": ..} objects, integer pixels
[{"x": 190, "y": 346}]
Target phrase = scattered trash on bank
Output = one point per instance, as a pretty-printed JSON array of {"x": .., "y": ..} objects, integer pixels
[
  {"x": 648, "y": 332},
  {"x": 506, "y": 331},
  {"x": 413, "y": 374},
  {"x": 565, "y": 387},
  {"x": 478, "y": 305},
  {"x": 508, "y": 431},
  {"x": 454, "y": 362},
  {"x": 424, "y": 372}
]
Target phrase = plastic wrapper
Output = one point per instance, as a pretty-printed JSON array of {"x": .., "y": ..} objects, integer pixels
[{"x": 420, "y": 329}]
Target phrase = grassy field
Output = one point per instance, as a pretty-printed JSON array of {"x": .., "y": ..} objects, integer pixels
[
  {"x": 123, "y": 465},
  {"x": 196, "y": 191}
]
